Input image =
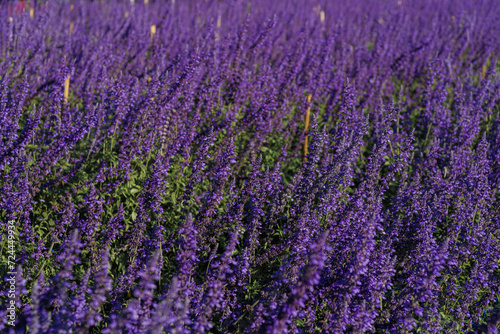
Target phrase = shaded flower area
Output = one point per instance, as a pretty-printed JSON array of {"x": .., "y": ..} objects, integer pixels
[{"x": 250, "y": 166}]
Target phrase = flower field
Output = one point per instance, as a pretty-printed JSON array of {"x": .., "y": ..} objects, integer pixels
[{"x": 250, "y": 166}]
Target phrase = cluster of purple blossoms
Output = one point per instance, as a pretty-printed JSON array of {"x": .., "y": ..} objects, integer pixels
[{"x": 250, "y": 167}]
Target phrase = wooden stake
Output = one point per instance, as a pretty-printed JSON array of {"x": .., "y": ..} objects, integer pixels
[
  {"x": 322, "y": 16},
  {"x": 152, "y": 32},
  {"x": 306, "y": 126},
  {"x": 71, "y": 27},
  {"x": 32, "y": 12},
  {"x": 219, "y": 24},
  {"x": 219, "y": 21},
  {"x": 66, "y": 89}
]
